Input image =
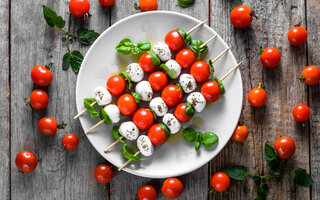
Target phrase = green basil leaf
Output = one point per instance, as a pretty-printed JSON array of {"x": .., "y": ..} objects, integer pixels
[
  {"x": 127, "y": 78},
  {"x": 154, "y": 57},
  {"x": 104, "y": 116},
  {"x": 128, "y": 153},
  {"x": 154, "y": 114},
  {"x": 189, "y": 134},
  {"x": 136, "y": 96},
  {"x": 136, "y": 50},
  {"x": 185, "y": 3},
  {"x": 168, "y": 71},
  {"x": 301, "y": 177},
  {"x": 180, "y": 87},
  {"x": 195, "y": 47},
  {"x": 236, "y": 172},
  {"x": 87, "y": 104},
  {"x": 197, "y": 146},
  {"x": 165, "y": 128},
  {"x": 52, "y": 18},
  {"x": 269, "y": 152},
  {"x": 144, "y": 45},
  {"x": 189, "y": 110},
  {"x": 125, "y": 46},
  {"x": 199, "y": 137},
  {"x": 210, "y": 65},
  {"x": 117, "y": 135},
  {"x": 209, "y": 139},
  {"x": 186, "y": 37},
  {"x": 87, "y": 36},
  {"x": 221, "y": 86}
]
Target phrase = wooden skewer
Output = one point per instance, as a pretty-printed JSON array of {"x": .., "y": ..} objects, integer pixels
[
  {"x": 231, "y": 71},
  {"x": 93, "y": 127},
  {"x": 221, "y": 54},
  {"x": 116, "y": 142},
  {"x": 83, "y": 111},
  {"x": 207, "y": 42},
  {"x": 197, "y": 26},
  {"x": 126, "y": 163}
]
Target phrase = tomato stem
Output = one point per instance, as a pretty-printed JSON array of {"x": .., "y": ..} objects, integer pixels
[
  {"x": 62, "y": 125},
  {"x": 261, "y": 85},
  {"x": 298, "y": 24},
  {"x": 27, "y": 101},
  {"x": 49, "y": 65},
  {"x": 136, "y": 6},
  {"x": 301, "y": 79},
  {"x": 260, "y": 50}
]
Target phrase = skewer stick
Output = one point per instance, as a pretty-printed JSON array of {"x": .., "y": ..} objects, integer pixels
[
  {"x": 197, "y": 26},
  {"x": 207, "y": 42},
  {"x": 93, "y": 127},
  {"x": 221, "y": 54},
  {"x": 126, "y": 163},
  {"x": 227, "y": 74},
  {"x": 83, "y": 111},
  {"x": 116, "y": 142}
]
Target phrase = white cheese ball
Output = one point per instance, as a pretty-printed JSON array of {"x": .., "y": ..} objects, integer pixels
[
  {"x": 174, "y": 67},
  {"x": 158, "y": 106},
  {"x": 188, "y": 83},
  {"x": 135, "y": 72},
  {"x": 145, "y": 91},
  {"x": 197, "y": 100},
  {"x": 162, "y": 50},
  {"x": 113, "y": 112},
  {"x": 102, "y": 96},
  {"x": 172, "y": 123},
  {"x": 144, "y": 145},
  {"x": 129, "y": 130}
]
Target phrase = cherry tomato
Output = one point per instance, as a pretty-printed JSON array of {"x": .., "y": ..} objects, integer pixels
[
  {"x": 127, "y": 104},
  {"x": 143, "y": 119},
  {"x": 297, "y": 36},
  {"x": 147, "y": 192},
  {"x": 241, "y": 16},
  {"x": 38, "y": 99},
  {"x": 185, "y": 58},
  {"x": 146, "y": 63},
  {"x": 270, "y": 57},
  {"x": 26, "y": 161},
  {"x": 70, "y": 141},
  {"x": 41, "y": 76},
  {"x": 179, "y": 113},
  {"x": 310, "y": 75},
  {"x": 171, "y": 95},
  {"x": 79, "y": 8},
  {"x": 174, "y": 40},
  {"x": 103, "y": 173},
  {"x": 211, "y": 91},
  {"x": 172, "y": 188},
  {"x": 285, "y": 147},
  {"x": 116, "y": 85},
  {"x": 301, "y": 112},
  {"x": 157, "y": 135},
  {"x": 240, "y": 134},
  {"x": 200, "y": 71},
  {"x": 220, "y": 181},
  {"x": 107, "y": 2},
  {"x": 257, "y": 97},
  {"x": 158, "y": 80},
  {"x": 148, "y": 5},
  {"x": 47, "y": 126}
]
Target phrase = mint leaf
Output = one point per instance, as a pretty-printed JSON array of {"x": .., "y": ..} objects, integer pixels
[
  {"x": 236, "y": 172},
  {"x": 52, "y": 18},
  {"x": 301, "y": 177},
  {"x": 262, "y": 191},
  {"x": 209, "y": 139},
  {"x": 87, "y": 104},
  {"x": 74, "y": 59},
  {"x": 104, "y": 116},
  {"x": 185, "y": 3},
  {"x": 189, "y": 135},
  {"x": 87, "y": 36},
  {"x": 59, "y": 22},
  {"x": 128, "y": 153},
  {"x": 274, "y": 164},
  {"x": 269, "y": 152}
]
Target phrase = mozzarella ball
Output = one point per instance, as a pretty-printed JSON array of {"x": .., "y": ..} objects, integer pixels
[
  {"x": 197, "y": 100},
  {"x": 144, "y": 90},
  {"x": 135, "y": 72},
  {"x": 144, "y": 145},
  {"x": 129, "y": 130},
  {"x": 162, "y": 50},
  {"x": 172, "y": 123},
  {"x": 158, "y": 106},
  {"x": 174, "y": 67},
  {"x": 102, "y": 96},
  {"x": 188, "y": 83},
  {"x": 113, "y": 112}
]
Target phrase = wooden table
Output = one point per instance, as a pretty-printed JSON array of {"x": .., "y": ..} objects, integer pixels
[{"x": 26, "y": 40}]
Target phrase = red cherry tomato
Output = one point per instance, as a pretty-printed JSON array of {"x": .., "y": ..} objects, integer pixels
[
  {"x": 26, "y": 161},
  {"x": 257, "y": 97},
  {"x": 174, "y": 40},
  {"x": 240, "y": 134},
  {"x": 172, "y": 188},
  {"x": 41, "y": 76},
  {"x": 103, "y": 173},
  {"x": 146, "y": 63},
  {"x": 70, "y": 141},
  {"x": 171, "y": 95},
  {"x": 116, "y": 85},
  {"x": 211, "y": 91},
  {"x": 310, "y": 75},
  {"x": 284, "y": 147},
  {"x": 220, "y": 181},
  {"x": 148, "y": 5},
  {"x": 79, "y": 8},
  {"x": 241, "y": 16},
  {"x": 127, "y": 104},
  {"x": 185, "y": 58},
  {"x": 179, "y": 113},
  {"x": 297, "y": 36},
  {"x": 47, "y": 126},
  {"x": 200, "y": 71},
  {"x": 143, "y": 119},
  {"x": 158, "y": 80},
  {"x": 147, "y": 192},
  {"x": 38, "y": 99},
  {"x": 301, "y": 112},
  {"x": 157, "y": 135},
  {"x": 270, "y": 57},
  {"x": 107, "y": 2}
]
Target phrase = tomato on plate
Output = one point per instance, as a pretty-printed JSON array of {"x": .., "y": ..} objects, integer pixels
[
  {"x": 41, "y": 75},
  {"x": 26, "y": 161},
  {"x": 158, "y": 80},
  {"x": 240, "y": 134},
  {"x": 103, "y": 173},
  {"x": 257, "y": 97},
  {"x": 241, "y": 16},
  {"x": 310, "y": 75},
  {"x": 301, "y": 112},
  {"x": 297, "y": 35},
  {"x": 211, "y": 91},
  {"x": 147, "y": 192},
  {"x": 172, "y": 188},
  {"x": 180, "y": 113},
  {"x": 146, "y": 63},
  {"x": 47, "y": 126},
  {"x": 147, "y": 5},
  {"x": 285, "y": 147},
  {"x": 38, "y": 100},
  {"x": 143, "y": 119},
  {"x": 116, "y": 85},
  {"x": 70, "y": 141},
  {"x": 79, "y": 8},
  {"x": 172, "y": 95},
  {"x": 174, "y": 40},
  {"x": 185, "y": 58},
  {"x": 107, "y": 2},
  {"x": 220, "y": 181},
  {"x": 127, "y": 104},
  {"x": 200, "y": 71},
  {"x": 270, "y": 57},
  {"x": 158, "y": 134}
]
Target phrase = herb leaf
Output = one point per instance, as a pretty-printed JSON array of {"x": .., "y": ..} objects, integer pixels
[
  {"x": 209, "y": 139},
  {"x": 236, "y": 172},
  {"x": 210, "y": 65},
  {"x": 197, "y": 145},
  {"x": 116, "y": 134},
  {"x": 195, "y": 47},
  {"x": 87, "y": 104},
  {"x": 52, "y": 19},
  {"x": 189, "y": 135},
  {"x": 301, "y": 177},
  {"x": 165, "y": 129},
  {"x": 168, "y": 71},
  {"x": 222, "y": 89},
  {"x": 87, "y": 36},
  {"x": 189, "y": 110},
  {"x": 185, "y": 3},
  {"x": 154, "y": 114},
  {"x": 269, "y": 152},
  {"x": 125, "y": 46},
  {"x": 104, "y": 116},
  {"x": 128, "y": 153},
  {"x": 262, "y": 191},
  {"x": 154, "y": 57},
  {"x": 127, "y": 78},
  {"x": 136, "y": 96},
  {"x": 74, "y": 59},
  {"x": 186, "y": 37},
  {"x": 144, "y": 45}
]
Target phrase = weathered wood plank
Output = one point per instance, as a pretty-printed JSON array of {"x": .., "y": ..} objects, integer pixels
[{"x": 268, "y": 123}]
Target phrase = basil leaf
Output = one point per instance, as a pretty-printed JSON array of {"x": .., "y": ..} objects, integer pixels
[
  {"x": 189, "y": 110},
  {"x": 154, "y": 57},
  {"x": 144, "y": 45},
  {"x": 52, "y": 19},
  {"x": 165, "y": 128},
  {"x": 104, "y": 116},
  {"x": 128, "y": 153},
  {"x": 74, "y": 59},
  {"x": 168, "y": 71},
  {"x": 186, "y": 37},
  {"x": 87, "y": 36},
  {"x": 189, "y": 135},
  {"x": 136, "y": 96},
  {"x": 222, "y": 89},
  {"x": 87, "y": 104},
  {"x": 154, "y": 114},
  {"x": 269, "y": 152},
  {"x": 209, "y": 139},
  {"x": 136, "y": 50},
  {"x": 197, "y": 146},
  {"x": 210, "y": 65},
  {"x": 199, "y": 136},
  {"x": 125, "y": 46},
  {"x": 116, "y": 134},
  {"x": 185, "y": 3},
  {"x": 180, "y": 87},
  {"x": 127, "y": 78},
  {"x": 195, "y": 47},
  {"x": 236, "y": 172},
  {"x": 90, "y": 100},
  {"x": 301, "y": 177}
]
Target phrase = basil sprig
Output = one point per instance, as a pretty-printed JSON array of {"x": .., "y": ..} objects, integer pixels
[
  {"x": 104, "y": 116},
  {"x": 117, "y": 135},
  {"x": 154, "y": 57},
  {"x": 127, "y": 78},
  {"x": 87, "y": 104},
  {"x": 128, "y": 153},
  {"x": 165, "y": 129},
  {"x": 189, "y": 111},
  {"x": 222, "y": 89},
  {"x": 168, "y": 71},
  {"x": 195, "y": 47},
  {"x": 185, "y": 3},
  {"x": 186, "y": 37},
  {"x": 210, "y": 65},
  {"x": 207, "y": 139},
  {"x": 126, "y": 46},
  {"x": 154, "y": 114},
  {"x": 136, "y": 97}
]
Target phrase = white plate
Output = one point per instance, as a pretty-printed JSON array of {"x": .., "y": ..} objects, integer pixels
[{"x": 176, "y": 157}]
